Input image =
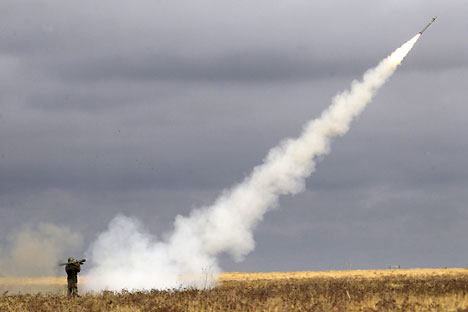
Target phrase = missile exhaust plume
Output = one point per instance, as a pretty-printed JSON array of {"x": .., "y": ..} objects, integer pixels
[{"x": 126, "y": 256}]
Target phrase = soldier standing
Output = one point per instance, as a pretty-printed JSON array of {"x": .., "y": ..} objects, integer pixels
[{"x": 72, "y": 268}]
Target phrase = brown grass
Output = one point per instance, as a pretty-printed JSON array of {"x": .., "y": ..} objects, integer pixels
[
  {"x": 337, "y": 274},
  {"x": 387, "y": 290}
]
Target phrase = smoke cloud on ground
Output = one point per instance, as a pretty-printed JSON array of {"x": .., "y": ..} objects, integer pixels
[
  {"x": 128, "y": 256},
  {"x": 37, "y": 251}
]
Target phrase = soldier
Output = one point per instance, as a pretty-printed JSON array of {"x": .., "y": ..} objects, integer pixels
[{"x": 72, "y": 268}]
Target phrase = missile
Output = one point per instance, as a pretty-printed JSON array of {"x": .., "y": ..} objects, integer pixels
[{"x": 427, "y": 26}]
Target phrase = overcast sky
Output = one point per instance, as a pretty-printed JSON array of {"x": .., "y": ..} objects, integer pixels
[{"x": 152, "y": 108}]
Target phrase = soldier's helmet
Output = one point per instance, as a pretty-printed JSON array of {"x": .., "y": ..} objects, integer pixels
[{"x": 71, "y": 260}]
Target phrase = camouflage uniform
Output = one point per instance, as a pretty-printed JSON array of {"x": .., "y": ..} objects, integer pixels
[{"x": 72, "y": 268}]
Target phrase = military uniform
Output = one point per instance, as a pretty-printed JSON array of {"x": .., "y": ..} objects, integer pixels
[{"x": 72, "y": 268}]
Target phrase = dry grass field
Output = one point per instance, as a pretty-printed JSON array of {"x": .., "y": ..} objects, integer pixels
[{"x": 383, "y": 290}]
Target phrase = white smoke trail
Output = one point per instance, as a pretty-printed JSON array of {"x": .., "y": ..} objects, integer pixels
[{"x": 126, "y": 256}]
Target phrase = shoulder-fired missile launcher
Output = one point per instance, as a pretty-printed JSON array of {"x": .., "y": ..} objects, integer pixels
[{"x": 79, "y": 262}]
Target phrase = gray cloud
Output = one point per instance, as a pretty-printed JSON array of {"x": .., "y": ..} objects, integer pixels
[{"x": 153, "y": 109}]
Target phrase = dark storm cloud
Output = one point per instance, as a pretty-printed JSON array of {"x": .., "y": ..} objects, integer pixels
[
  {"x": 153, "y": 108},
  {"x": 241, "y": 67},
  {"x": 99, "y": 43}
]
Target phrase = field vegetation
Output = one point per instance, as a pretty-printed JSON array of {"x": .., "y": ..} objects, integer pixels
[{"x": 389, "y": 290}]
